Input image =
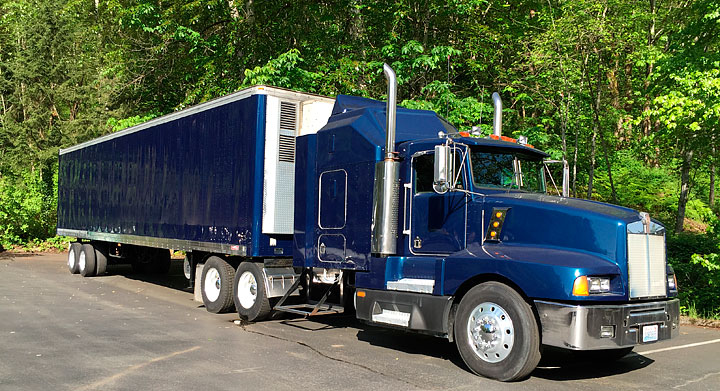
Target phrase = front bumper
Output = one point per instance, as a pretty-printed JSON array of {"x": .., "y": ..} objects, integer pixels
[{"x": 578, "y": 327}]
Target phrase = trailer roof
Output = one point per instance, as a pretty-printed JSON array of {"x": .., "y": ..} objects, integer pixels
[{"x": 242, "y": 94}]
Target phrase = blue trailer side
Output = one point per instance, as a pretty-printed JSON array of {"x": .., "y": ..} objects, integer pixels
[{"x": 137, "y": 185}]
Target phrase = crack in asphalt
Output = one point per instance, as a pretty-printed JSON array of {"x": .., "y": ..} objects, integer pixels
[{"x": 320, "y": 353}]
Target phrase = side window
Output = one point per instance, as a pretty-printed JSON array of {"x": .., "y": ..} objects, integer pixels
[{"x": 424, "y": 172}]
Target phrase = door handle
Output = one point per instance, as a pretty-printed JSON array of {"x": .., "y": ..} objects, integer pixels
[{"x": 406, "y": 228}]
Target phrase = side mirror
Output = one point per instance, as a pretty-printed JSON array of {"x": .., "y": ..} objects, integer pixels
[{"x": 444, "y": 169}]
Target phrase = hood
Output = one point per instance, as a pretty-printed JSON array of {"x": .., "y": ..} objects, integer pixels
[
  {"x": 620, "y": 212},
  {"x": 563, "y": 223}
]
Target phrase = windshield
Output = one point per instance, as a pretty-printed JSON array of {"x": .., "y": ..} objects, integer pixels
[{"x": 508, "y": 171}]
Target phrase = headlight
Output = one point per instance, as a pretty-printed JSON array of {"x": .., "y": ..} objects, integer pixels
[
  {"x": 599, "y": 285},
  {"x": 585, "y": 285},
  {"x": 672, "y": 282}
]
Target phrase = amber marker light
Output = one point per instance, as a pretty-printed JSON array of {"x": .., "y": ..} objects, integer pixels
[
  {"x": 360, "y": 293},
  {"x": 497, "y": 218},
  {"x": 580, "y": 287}
]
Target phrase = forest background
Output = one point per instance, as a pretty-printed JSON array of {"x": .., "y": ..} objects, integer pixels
[{"x": 627, "y": 91}]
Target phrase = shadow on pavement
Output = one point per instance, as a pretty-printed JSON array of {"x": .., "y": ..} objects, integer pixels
[
  {"x": 410, "y": 343},
  {"x": 174, "y": 279},
  {"x": 561, "y": 365}
]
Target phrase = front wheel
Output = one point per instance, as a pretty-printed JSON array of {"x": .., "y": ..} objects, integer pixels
[{"x": 496, "y": 332}]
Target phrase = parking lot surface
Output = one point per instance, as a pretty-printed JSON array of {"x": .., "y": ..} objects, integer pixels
[{"x": 124, "y": 331}]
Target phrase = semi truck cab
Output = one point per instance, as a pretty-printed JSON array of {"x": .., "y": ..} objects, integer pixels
[{"x": 476, "y": 250}]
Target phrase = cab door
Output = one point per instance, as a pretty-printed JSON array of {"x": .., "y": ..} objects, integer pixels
[{"x": 437, "y": 221}]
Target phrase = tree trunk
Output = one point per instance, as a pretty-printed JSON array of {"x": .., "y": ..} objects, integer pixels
[
  {"x": 711, "y": 200},
  {"x": 648, "y": 72},
  {"x": 712, "y": 186},
  {"x": 575, "y": 158},
  {"x": 613, "y": 193},
  {"x": 684, "y": 189},
  {"x": 591, "y": 170}
]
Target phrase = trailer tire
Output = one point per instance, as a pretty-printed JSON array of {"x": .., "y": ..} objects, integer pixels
[
  {"x": 73, "y": 256},
  {"x": 249, "y": 293},
  {"x": 100, "y": 260},
  {"x": 86, "y": 261},
  {"x": 496, "y": 332},
  {"x": 216, "y": 285}
]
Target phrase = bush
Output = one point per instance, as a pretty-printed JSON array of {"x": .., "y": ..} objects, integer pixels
[
  {"x": 649, "y": 189},
  {"x": 28, "y": 204},
  {"x": 696, "y": 260}
]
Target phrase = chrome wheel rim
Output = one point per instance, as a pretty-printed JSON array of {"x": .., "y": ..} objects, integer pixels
[
  {"x": 247, "y": 290},
  {"x": 212, "y": 284},
  {"x": 81, "y": 261},
  {"x": 186, "y": 268},
  {"x": 71, "y": 259},
  {"x": 490, "y": 332}
]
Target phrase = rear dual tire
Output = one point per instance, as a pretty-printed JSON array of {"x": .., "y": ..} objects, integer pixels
[
  {"x": 86, "y": 260},
  {"x": 217, "y": 285},
  {"x": 73, "y": 257},
  {"x": 249, "y": 294}
]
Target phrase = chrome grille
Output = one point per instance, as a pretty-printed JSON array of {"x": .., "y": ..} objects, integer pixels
[{"x": 646, "y": 265}]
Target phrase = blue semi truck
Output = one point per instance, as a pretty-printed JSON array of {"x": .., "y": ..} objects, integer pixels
[{"x": 285, "y": 201}]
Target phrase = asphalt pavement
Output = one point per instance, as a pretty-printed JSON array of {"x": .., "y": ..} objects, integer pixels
[{"x": 125, "y": 331}]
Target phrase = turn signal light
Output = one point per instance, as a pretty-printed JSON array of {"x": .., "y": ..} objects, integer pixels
[{"x": 581, "y": 287}]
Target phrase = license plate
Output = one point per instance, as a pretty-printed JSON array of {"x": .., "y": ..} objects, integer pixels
[{"x": 650, "y": 333}]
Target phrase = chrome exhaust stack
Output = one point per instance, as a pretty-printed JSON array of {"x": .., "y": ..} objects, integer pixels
[
  {"x": 386, "y": 190},
  {"x": 497, "y": 118}
]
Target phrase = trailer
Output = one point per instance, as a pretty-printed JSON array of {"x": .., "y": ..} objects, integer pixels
[{"x": 294, "y": 202}]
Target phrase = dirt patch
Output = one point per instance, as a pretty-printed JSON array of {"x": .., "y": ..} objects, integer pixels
[{"x": 700, "y": 322}]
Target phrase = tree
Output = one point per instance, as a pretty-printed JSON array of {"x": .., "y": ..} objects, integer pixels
[{"x": 688, "y": 94}]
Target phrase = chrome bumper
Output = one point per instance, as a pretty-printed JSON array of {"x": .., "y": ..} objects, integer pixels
[{"x": 578, "y": 327}]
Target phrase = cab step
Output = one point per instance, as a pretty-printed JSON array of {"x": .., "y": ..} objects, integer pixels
[{"x": 311, "y": 309}]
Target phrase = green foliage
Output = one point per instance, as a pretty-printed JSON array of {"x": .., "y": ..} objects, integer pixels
[
  {"x": 699, "y": 211},
  {"x": 696, "y": 260},
  {"x": 650, "y": 189},
  {"x": 27, "y": 207},
  {"x": 119, "y": 124},
  {"x": 284, "y": 71}
]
